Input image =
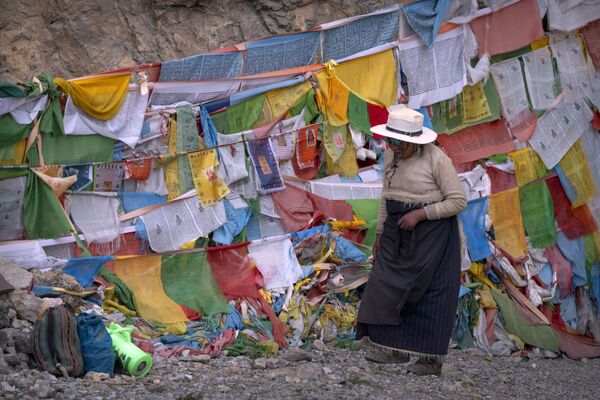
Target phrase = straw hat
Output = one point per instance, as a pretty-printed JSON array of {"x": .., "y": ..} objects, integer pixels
[{"x": 405, "y": 124}]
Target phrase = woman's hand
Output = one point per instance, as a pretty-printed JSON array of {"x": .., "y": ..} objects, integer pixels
[{"x": 411, "y": 219}]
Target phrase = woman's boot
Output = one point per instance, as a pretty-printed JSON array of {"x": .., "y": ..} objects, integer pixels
[
  {"x": 384, "y": 356},
  {"x": 426, "y": 366}
]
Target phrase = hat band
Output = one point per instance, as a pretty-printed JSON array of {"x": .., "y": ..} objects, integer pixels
[{"x": 411, "y": 134}]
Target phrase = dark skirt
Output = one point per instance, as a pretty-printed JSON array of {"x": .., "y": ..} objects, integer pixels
[{"x": 411, "y": 298}]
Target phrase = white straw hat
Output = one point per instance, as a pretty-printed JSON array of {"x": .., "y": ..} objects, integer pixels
[{"x": 407, "y": 125}]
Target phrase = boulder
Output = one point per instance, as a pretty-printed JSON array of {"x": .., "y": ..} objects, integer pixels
[{"x": 18, "y": 277}]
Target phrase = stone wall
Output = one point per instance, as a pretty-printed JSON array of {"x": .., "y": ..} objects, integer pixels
[{"x": 71, "y": 38}]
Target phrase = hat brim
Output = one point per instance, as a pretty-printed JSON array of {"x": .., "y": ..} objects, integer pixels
[{"x": 428, "y": 136}]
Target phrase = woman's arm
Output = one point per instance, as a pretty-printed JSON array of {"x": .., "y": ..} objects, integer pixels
[{"x": 454, "y": 196}]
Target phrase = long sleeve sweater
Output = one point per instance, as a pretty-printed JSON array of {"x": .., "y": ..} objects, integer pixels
[{"x": 428, "y": 178}]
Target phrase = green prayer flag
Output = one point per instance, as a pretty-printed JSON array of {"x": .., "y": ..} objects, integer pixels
[
  {"x": 187, "y": 140},
  {"x": 244, "y": 115},
  {"x": 590, "y": 252},
  {"x": 537, "y": 210},
  {"x": 495, "y": 59},
  {"x": 367, "y": 210},
  {"x": 43, "y": 215},
  {"x": 220, "y": 122},
  {"x": 358, "y": 115},
  {"x": 7, "y": 173},
  {"x": 51, "y": 122},
  {"x": 449, "y": 115},
  {"x": 122, "y": 291},
  {"x": 188, "y": 280},
  {"x": 11, "y": 131},
  {"x": 73, "y": 149},
  {"x": 542, "y": 336},
  {"x": 307, "y": 101},
  {"x": 8, "y": 89}
]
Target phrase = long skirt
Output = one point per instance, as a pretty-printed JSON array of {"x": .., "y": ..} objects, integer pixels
[{"x": 411, "y": 298}]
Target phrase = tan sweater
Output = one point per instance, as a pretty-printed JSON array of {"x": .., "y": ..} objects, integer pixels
[{"x": 429, "y": 179}]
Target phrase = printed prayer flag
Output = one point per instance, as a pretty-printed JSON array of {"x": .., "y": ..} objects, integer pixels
[
  {"x": 358, "y": 113},
  {"x": 576, "y": 169},
  {"x": 334, "y": 140},
  {"x": 574, "y": 222},
  {"x": 477, "y": 142},
  {"x": 500, "y": 180},
  {"x": 505, "y": 213},
  {"x": 559, "y": 129},
  {"x": 108, "y": 177},
  {"x": 509, "y": 28},
  {"x": 265, "y": 165},
  {"x": 210, "y": 188},
  {"x": 528, "y": 165},
  {"x": 513, "y": 95},
  {"x": 537, "y": 210},
  {"x": 336, "y": 106},
  {"x": 473, "y": 223},
  {"x": 306, "y": 146}
]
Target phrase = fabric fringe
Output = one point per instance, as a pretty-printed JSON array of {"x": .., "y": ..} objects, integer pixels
[
  {"x": 412, "y": 199},
  {"x": 401, "y": 352},
  {"x": 108, "y": 248}
]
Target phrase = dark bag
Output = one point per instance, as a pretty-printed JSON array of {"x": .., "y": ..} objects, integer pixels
[
  {"x": 55, "y": 342},
  {"x": 96, "y": 344}
]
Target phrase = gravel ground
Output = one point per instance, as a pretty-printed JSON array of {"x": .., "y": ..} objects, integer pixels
[{"x": 330, "y": 373}]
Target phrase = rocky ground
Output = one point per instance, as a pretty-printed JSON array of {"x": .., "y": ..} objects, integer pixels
[
  {"x": 323, "y": 372},
  {"x": 328, "y": 373}
]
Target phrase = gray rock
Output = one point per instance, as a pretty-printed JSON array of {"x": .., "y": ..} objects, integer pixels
[
  {"x": 5, "y": 388},
  {"x": 42, "y": 389},
  {"x": 200, "y": 358},
  {"x": 27, "y": 306},
  {"x": 74, "y": 39},
  {"x": 21, "y": 325},
  {"x": 296, "y": 355},
  {"x": 12, "y": 359},
  {"x": 318, "y": 345},
  {"x": 96, "y": 376},
  {"x": 5, "y": 314},
  {"x": 260, "y": 363},
  {"x": 18, "y": 277},
  {"x": 4, "y": 367},
  {"x": 16, "y": 340}
]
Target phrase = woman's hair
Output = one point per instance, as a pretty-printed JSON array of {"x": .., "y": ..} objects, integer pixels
[{"x": 407, "y": 150}]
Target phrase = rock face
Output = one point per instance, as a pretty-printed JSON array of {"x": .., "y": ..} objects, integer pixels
[{"x": 72, "y": 38}]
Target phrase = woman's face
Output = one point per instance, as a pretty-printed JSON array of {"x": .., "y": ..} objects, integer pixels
[{"x": 403, "y": 150}]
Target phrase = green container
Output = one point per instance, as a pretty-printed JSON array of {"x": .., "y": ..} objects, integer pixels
[{"x": 136, "y": 361}]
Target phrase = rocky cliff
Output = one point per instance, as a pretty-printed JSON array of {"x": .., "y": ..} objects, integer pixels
[{"x": 75, "y": 37}]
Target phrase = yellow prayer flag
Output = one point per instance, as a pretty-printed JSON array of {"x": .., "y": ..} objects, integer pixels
[
  {"x": 281, "y": 100},
  {"x": 577, "y": 170},
  {"x": 209, "y": 187},
  {"x": 172, "y": 167},
  {"x": 142, "y": 275},
  {"x": 474, "y": 104},
  {"x": 528, "y": 165},
  {"x": 16, "y": 152},
  {"x": 372, "y": 78},
  {"x": 100, "y": 96},
  {"x": 505, "y": 212},
  {"x": 346, "y": 165}
]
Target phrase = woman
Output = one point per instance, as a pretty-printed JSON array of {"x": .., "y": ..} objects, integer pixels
[{"x": 409, "y": 305}]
